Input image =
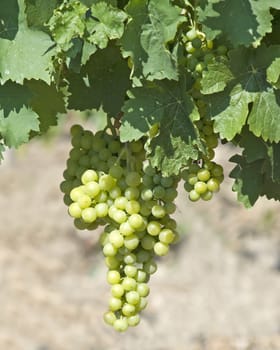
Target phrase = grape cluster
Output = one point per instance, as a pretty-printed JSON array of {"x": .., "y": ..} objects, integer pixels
[
  {"x": 111, "y": 184},
  {"x": 201, "y": 181}
]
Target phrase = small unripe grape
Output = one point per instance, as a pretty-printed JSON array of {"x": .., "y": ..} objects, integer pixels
[
  {"x": 136, "y": 221},
  {"x": 128, "y": 309},
  {"x": 213, "y": 185},
  {"x": 132, "y": 297},
  {"x": 203, "y": 174},
  {"x": 166, "y": 236},
  {"x": 130, "y": 271},
  {"x": 89, "y": 215},
  {"x": 109, "y": 318},
  {"x": 194, "y": 196},
  {"x": 200, "y": 187},
  {"x": 134, "y": 320},
  {"x": 150, "y": 267},
  {"x": 74, "y": 210},
  {"x": 207, "y": 196},
  {"x": 161, "y": 249},
  {"x": 154, "y": 228},
  {"x": 133, "y": 179},
  {"x": 115, "y": 303},
  {"x": 113, "y": 277},
  {"x": 143, "y": 289},
  {"x": 158, "y": 211},
  {"x": 121, "y": 325},
  {"x": 109, "y": 249},
  {"x": 84, "y": 201},
  {"x": 129, "y": 284}
]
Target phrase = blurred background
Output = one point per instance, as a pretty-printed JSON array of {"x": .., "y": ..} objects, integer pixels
[{"x": 218, "y": 289}]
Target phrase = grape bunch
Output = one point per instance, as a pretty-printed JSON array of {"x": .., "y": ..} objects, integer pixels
[
  {"x": 202, "y": 181},
  {"x": 111, "y": 184}
]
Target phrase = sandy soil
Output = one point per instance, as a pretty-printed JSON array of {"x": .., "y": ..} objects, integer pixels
[{"x": 219, "y": 289}]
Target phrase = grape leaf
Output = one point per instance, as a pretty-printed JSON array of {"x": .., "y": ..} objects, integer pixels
[
  {"x": 248, "y": 180},
  {"x": 273, "y": 72},
  {"x": 146, "y": 37},
  {"x": 165, "y": 102},
  {"x": 16, "y": 127},
  {"x": 254, "y": 19},
  {"x": 9, "y": 19},
  {"x": 274, "y": 154},
  {"x": 264, "y": 119},
  {"x": 107, "y": 24},
  {"x": 47, "y": 112},
  {"x": 38, "y": 12},
  {"x": 230, "y": 107},
  {"x": 215, "y": 78},
  {"x": 13, "y": 97},
  {"x": 254, "y": 148},
  {"x": 102, "y": 82},
  {"x": 68, "y": 22},
  {"x": 131, "y": 40}
]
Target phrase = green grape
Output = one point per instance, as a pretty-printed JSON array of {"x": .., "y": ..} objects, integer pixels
[
  {"x": 76, "y": 130},
  {"x": 119, "y": 216},
  {"x": 158, "y": 211},
  {"x": 132, "y": 193},
  {"x": 101, "y": 210},
  {"x": 217, "y": 170},
  {"x": 203, "y": 175},
  {"x": 116, "y": 238},
  {"x": 129, "y": 284},
  {"x": 131, "y": 242},
  {"x": 109, "y": 318},
  {"x": 142, "y": 276},
  {"x": 213, "y": 185},
  {"x": 115, "y": 304},
  {"x": 113, "y": 277},
  {"x": 147, "y": 242},
  {"x": 86, "y": 140},
  {"x": 166, "y": 236},
  {"x": 194, "y": 196},
  {"x": 200, "y": 187},
  {"x": 132, "y": 297},
  {"x": 75, "y": 211},
  {"x": 132, "y": 207},
  {"x": 143, "y": 256},
  {"x": 92, "y": 189},
  {"x": 116, "y": 171},
  {"x": 109, "y": 249},
  {"x": 154, "y": 228},
  {"x": 207, "y": 196},
  {"x": 161, "y": 249},
  {"x": 143, "y": 289},
  {"x": 149, "y": 267},
  {"x": 105, "y": 154},
  {"x": 133, "y": 179},
  {"x": 130, "y": 271},
  {"x": 106, "y": 182},
  {"x": 89, "y": 215},
  {"x": 84, "y": 201},
  {"x": 192, "y": 34},
  {"x": 126, "y": 229},
  {"x": 192, "y": 179},
  {"x": 130, "y": 259},
  {"x": 121, "y": 325},
  {"x": 121, "y": 202},
  {"x": 128, "y": 309},
  {"x": 158, "y": 192},
  {"x": 112, "y": 262},
  {"x": 136, "y": 221},
  {"x": 117, "y": 290},
  {"x": 134, "y": 320}
]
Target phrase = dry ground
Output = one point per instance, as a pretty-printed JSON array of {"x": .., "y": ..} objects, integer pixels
[{"x": 219, "y": 289}]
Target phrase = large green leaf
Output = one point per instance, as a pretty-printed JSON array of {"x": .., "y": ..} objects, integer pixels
[
  {"x": 107, "y": 24},
  {"x": 39, "y": 12},
  {"x": 246, "y": 83},
  {"x": 167, "y": 103},
  {"x": 26, "y": 56},
  {"x": 17, "y": 126},
  {"x": 242, "y": 22},
  {"x": 102, "y": 82},
  {"x": 151, "y": 27},
  {"x": 47, "y": 102},
  {"x": 9, "y": 19}
]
